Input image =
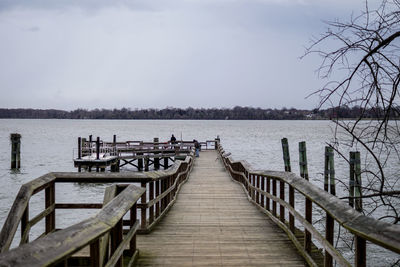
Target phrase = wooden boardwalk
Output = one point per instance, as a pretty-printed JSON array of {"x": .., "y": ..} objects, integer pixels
[{"x": 213, "y": 224}]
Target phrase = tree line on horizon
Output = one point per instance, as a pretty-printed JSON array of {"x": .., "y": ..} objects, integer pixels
[{"x": 169, "y": 113}]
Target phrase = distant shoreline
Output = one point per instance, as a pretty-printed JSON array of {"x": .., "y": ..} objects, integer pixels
[{"x": 236, "y": 113}]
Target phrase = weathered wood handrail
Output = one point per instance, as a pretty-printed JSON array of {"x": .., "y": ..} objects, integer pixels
[
  {"x": 59, "y": 246},
  {"x": 262, "y": 188},
  {"x": 141, "y": 146},
  {"x": 162, "y": 187}
]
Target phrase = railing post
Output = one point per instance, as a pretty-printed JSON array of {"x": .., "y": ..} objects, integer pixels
[
  {"x": 360, "y": 243},
  {"x": 258, "y": 187},
  {"x": 308, "y": 217},
  {"x": 132, "y": 243},
  {"x": 156, "y": 158},
  {"x": 143, "y": 209},
  {"x": 351, "y": 179},
  {"x": 274, "y": 194},
  {"x": 361, "y": 255},
  {"x": 116, "y": 239},
  {"x": 267, "y": 204},
  {"x": 164, "y": 199},
  {"x": 291, "y": 203},
  {"x": 170, "y": 183},
  {"x": 329, "y": 185},
  {"x": 151, "y": 197},
  {"x": 253, "y": 183},
  {"x": 95, "y": 253},
  {"x": 24, "y": 224},
  {"x": 263, "y": 190},
  {"x": 158, "y": 182},
  {"x": 50, "y": 200},
  {"x": 282, "y": 197},
  {"x": 357, "y": 184},
  {"x": 308, "y": 204}
]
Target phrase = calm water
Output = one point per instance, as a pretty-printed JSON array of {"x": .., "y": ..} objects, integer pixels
[{"x": 47, "y": 145}]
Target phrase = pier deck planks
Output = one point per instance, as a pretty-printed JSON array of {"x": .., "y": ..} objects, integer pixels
[{"x": 213, "y": 224}]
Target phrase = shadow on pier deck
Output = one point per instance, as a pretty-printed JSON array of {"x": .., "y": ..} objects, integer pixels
[{"x": 212, "y": 223}]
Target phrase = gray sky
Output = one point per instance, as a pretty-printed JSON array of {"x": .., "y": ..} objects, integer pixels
[{"x": 69, "y": 54}]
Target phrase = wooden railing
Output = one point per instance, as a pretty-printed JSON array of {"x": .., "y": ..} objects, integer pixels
[
  {"x": 160, "y": 189},
  {"x": 103, "y": 233},
  {"x": 92, "y": 147},
  {"x": 268, "y": 189}
]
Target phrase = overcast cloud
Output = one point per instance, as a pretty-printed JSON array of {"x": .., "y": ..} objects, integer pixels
[{"x": 153, "y": 53}]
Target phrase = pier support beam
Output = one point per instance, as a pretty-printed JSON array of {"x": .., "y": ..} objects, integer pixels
[
  {"x": 156, "y": 158},
  {"x": 15, "y": 150}
]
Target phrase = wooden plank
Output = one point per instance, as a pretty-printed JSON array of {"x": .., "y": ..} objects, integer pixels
[{"x": 78, "y": 205}]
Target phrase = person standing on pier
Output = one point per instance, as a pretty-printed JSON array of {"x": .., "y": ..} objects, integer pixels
[
  {"x": 173, "y": 139},
  {"x": 197, "y": 147}
]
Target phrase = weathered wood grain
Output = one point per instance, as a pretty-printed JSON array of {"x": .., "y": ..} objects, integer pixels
[
  {"x": 56, "y": 247},
  {"x": 18, "y": 208},
  {"x": 212, "y": 223},
  {"x": 378, "y": 232}
]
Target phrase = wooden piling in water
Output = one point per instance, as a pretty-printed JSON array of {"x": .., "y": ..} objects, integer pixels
[
  {"x": 329, "y": 172},
  {"x": 286, "y": 156},
  {"x": 15, "y": 150}
]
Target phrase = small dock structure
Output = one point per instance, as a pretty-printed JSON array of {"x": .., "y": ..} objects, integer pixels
[
  {"x": 206, "y": 211},
  {"x": 144, "y": 156}
]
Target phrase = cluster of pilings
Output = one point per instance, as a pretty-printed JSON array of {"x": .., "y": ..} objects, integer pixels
[{"x": 355, "y": 195}]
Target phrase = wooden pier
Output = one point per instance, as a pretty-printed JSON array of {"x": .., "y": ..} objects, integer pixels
[
  {"x": 144, "y": 156},
  {"x": 212, "y": 223},
  {"x": 206, "y": 211}
]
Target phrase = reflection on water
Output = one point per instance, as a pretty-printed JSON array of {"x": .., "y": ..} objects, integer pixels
[{"x": 47, "y": 146}]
